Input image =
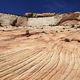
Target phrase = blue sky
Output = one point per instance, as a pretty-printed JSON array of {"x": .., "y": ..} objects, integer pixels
[{"x": 39, "y": 6}]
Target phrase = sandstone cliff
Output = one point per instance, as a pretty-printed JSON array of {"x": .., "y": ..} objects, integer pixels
[
  {"x": 7, "y": 19},
  {"x": 37, "y": 19}
]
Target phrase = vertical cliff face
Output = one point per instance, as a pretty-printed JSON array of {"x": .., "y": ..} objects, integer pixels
[
  {"x": 12, "y": 20},
  {"x": 44, "y": 19},
  {"x": 7, "y": 19},
  {"x": 57, "y": 19}
]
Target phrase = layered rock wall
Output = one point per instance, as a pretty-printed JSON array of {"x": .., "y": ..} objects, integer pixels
[
  {"x": 7, "y": 19},
  {"x": 44, "y": 19}
]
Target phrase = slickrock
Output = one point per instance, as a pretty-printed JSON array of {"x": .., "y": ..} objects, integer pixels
[{"x": 40, "y": 48}]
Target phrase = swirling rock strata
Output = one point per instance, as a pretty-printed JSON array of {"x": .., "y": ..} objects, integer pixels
[{"x": 44, "y": 55}]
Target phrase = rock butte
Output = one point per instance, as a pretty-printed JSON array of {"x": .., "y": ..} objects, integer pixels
[{"x": 40, "y": 46}]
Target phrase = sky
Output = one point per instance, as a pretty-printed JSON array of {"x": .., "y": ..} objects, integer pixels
[{"x": 38, "y": 6}]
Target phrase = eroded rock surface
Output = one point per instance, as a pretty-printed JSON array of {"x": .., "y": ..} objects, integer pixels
[
  {"x": 36, "y": 54},
  {"x": 21, "y": 21},
  {"x": 7, "y": 19},
  {"x": 37, "y": 19},
  {"x": 42, "y": 52}
]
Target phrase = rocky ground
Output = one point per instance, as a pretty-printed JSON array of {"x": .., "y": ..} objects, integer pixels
[{"x": 40, "y": 53}]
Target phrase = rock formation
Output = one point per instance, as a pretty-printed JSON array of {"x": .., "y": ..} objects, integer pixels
[
  {"x": 36, "y": 15},
  {"x": 37, "y": 19},
  {"x": 40, "y": 46},
  {"x": 7, "y": 19},
  {"x": 21, "y": 21}
]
